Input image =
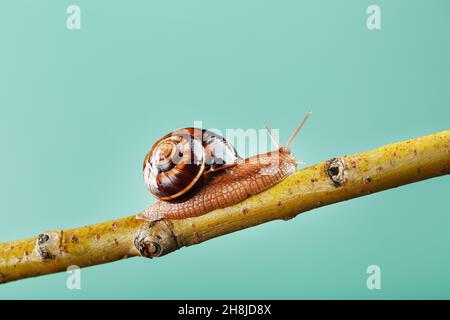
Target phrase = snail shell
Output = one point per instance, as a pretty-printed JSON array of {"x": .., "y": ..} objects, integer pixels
[{"x": 181, "y": 160}]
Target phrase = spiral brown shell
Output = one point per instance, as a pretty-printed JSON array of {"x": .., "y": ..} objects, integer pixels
[{"x": 180, "y": 161}]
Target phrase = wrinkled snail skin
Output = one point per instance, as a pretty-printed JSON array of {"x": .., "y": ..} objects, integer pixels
[{"x": 229, "y": 186}]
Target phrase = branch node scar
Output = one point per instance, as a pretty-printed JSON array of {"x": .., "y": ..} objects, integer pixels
[
  {"x": 155, "y": 239},
  {"x": 42, "y": 246},
  {"x": 336, "y": 170}
]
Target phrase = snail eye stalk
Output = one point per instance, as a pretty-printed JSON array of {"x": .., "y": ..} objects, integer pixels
[{"x": 295, "y": 133}]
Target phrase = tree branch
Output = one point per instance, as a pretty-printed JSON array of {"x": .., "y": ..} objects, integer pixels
[{"x": 325, "y": 183}]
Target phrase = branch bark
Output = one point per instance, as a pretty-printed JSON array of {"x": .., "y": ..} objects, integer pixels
[{"x": 325, "y": 183}]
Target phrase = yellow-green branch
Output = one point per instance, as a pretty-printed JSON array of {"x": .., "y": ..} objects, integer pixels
[{"x": 325, "y": 183}]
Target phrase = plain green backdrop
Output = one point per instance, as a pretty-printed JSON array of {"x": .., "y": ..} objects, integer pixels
[{"x": 79, "y": 109}]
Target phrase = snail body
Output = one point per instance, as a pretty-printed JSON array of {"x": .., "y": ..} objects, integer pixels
[
  {"x": 229, "y": 186},
  {"x": 215, "y": 177}
]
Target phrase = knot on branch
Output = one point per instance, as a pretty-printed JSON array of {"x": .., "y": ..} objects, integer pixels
[
  {"x": 336, "y": 170},
  {"x": 47, "y": 245},
  {"x": 155, "y": 239}
]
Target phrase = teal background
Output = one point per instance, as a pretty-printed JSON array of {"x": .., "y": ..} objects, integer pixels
[{"x": 79, "y": 110}]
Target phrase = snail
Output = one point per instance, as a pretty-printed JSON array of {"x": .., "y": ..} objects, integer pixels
[{"x": 194, "y": 171}]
